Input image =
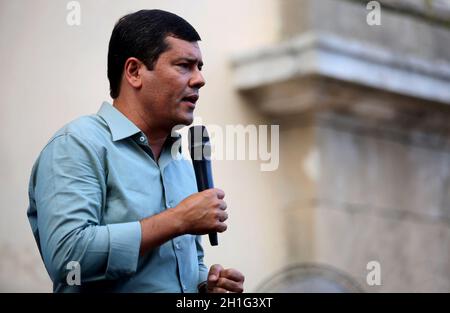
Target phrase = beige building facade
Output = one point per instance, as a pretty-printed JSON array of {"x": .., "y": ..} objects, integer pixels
[{"x": 360, "y": 199}]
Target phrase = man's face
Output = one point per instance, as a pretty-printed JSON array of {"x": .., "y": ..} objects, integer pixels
[{"x": 170, "y": 91}]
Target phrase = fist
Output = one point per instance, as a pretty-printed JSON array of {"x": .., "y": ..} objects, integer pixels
[
  {"x": 203, "y": 212},
  {"x": 222, "y": 280}
]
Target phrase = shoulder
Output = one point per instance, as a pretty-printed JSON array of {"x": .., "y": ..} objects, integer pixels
[
  {"x": 78, "y": 148},
  {"x": 89, "y": 127},
  {"x": 85, "y": 137},
  {"x": 90, "y": 130}
]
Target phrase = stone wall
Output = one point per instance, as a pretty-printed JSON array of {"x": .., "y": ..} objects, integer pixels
[{"x": 365, "y": 159}]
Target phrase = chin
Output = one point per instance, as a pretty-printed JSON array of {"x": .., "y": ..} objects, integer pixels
[
  {"x": 186, "y": 120},
  {"x": 182, "y": 122}
]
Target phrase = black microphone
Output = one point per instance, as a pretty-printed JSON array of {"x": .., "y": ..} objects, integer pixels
[{"x": 200, "y": 150}]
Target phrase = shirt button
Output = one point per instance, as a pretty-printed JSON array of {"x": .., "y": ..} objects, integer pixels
[
  {"x": 142, "y": 138},
  {"x": 177, "y": 245}
]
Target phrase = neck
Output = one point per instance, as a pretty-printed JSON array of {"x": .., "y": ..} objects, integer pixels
[{"x": 156, "y": 134}]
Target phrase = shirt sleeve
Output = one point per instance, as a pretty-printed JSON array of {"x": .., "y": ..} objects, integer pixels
[
  {"x": 203, "y": 270},
  {"x": 70, "y": 189}
]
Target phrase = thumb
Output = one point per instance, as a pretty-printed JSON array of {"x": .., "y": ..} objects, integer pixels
[{"x": 214, "y": 272}]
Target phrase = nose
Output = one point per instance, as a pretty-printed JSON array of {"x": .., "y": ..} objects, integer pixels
[{"x": 197, "y": 80}]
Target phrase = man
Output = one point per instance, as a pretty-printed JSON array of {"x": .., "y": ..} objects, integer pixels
[{"x": 106, "y": 193}]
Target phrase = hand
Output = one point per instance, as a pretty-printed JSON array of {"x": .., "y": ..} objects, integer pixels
[
  {"x": 203, "y": 212},
  {"x": 222, "y": 280}
]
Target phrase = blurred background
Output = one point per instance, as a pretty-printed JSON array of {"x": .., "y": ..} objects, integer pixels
[{"x": 360, "y": 201}]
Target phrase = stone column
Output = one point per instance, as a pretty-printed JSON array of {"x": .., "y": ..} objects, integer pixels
[{"x": 364, "y": 126}]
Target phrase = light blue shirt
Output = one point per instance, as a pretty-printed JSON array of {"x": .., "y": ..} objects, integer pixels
[{"x": 91, "y": 184}]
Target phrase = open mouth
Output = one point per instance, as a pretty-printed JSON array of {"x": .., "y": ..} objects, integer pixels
[{"x": 191, "y": 98}]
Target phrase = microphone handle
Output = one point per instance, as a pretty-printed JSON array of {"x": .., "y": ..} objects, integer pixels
[{"x": 203, "y": 175}]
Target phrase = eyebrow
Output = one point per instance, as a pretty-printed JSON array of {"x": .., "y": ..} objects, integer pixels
[{"x": 190, "y": 60}]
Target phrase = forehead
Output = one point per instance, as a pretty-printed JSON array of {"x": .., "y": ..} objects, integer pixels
[{"x": 179, "y": 48}]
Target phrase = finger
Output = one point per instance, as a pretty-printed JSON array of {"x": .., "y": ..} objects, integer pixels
[
  {"x": 223, "y": 205},
  {"x": 232, "y": 274},
  {"x": 222, "y": 216},
  {"x": 229, "y": 285},
  {"x": 214, "y": 272},
  {"x": 220, "y": 193},
  {"x": 221, "y": 227}
]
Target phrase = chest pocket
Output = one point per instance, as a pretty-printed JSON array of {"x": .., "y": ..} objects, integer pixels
[
  {"x": 134, "y": 187},
  {"x": 179, "y": 181}
]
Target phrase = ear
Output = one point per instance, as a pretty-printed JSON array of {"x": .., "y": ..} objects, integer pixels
[{"x": 132, "y": 72}]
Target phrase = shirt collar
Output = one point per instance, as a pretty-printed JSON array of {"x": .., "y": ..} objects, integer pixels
[{"x": 121, "y": 127}]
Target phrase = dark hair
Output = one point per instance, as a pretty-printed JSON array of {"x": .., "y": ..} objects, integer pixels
[{"x": 142, "y": 35}]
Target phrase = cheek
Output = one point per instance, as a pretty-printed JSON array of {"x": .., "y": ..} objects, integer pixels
[
  {"x": 168, "y": 89},
  {"x": 179, "y": 81},
  {"x": 173, "y": 85},
  {"x": 160, "y": 93}
]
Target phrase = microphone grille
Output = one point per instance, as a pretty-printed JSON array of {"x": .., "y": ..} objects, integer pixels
[{"x": 199, "y": 144}]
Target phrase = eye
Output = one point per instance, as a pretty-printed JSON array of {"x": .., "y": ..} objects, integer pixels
[{"x": 184, "y": 65}]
